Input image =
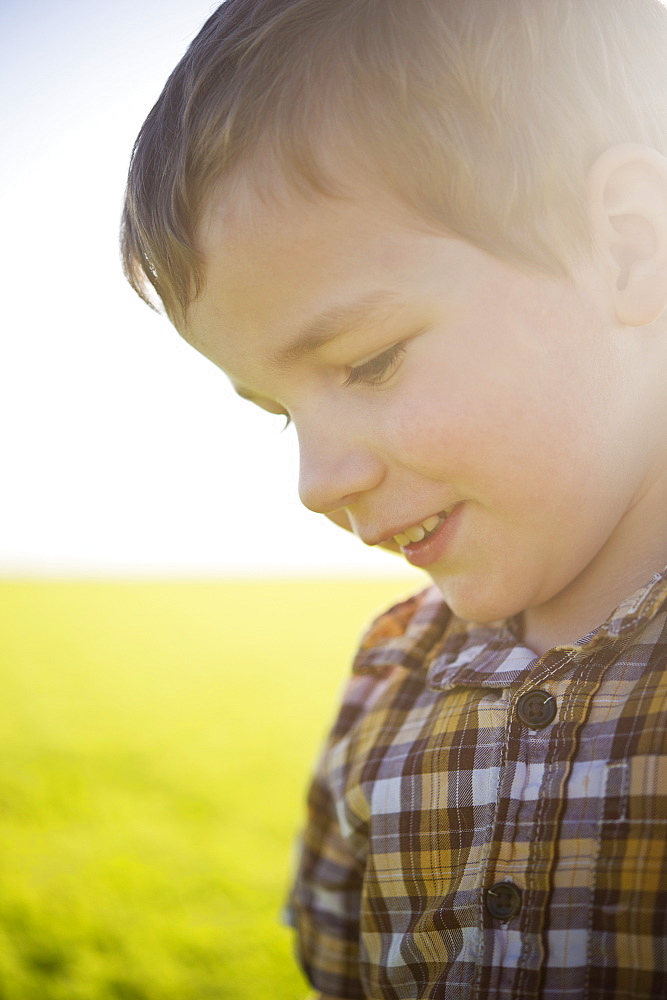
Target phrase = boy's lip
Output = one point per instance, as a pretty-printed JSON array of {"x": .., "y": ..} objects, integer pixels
[
  {"x": 389, "y": 536},
  {"x": 434, "y": 546}
]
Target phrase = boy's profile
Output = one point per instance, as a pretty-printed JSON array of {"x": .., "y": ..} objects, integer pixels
[{"x": 433, "y": 234}]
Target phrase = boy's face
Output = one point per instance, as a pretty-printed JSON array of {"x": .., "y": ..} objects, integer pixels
[{"x": 425, "y": 376}]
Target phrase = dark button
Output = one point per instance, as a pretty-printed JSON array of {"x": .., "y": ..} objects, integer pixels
[
  {"x": 537, "y": 709},
  {"x": 503, "y": 900}
]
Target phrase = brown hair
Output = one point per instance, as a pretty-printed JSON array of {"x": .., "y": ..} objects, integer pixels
[{"x": 483, "y": 115}]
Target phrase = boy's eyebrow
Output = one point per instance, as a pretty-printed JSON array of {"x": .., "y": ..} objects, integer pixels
[{"x": 332, "y": 323}]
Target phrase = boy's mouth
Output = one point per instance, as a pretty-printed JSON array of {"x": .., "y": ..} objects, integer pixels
[{"x": 422, "y": 530}]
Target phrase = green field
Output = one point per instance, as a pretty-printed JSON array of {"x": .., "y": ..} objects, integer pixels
[{"x": 155, "y": 741}]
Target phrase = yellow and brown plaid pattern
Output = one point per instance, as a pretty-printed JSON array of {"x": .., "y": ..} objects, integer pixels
[{"x": 435, "y": 787}]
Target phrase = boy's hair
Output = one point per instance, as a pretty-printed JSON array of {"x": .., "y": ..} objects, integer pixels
[{"x": 483, "y": 116}]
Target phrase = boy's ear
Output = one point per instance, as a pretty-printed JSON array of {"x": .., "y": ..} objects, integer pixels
[{"x": 628, "y": 204}]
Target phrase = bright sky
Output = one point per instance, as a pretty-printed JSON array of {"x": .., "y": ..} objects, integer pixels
[{"x": 123, "y": 450}]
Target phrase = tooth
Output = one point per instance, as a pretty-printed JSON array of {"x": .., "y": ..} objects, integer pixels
[
  {"x": 415, "y": 533},
  {"x": 431, "y": 522},
  {"x": 402, "y": 539}
]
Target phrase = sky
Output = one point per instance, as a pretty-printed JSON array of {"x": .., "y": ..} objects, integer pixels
[{"x": 124, "y": 452}]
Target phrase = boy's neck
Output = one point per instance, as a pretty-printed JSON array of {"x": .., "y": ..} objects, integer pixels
[
  {"x": 563, "y": 624},
  {"x": 611, "y": 578}
]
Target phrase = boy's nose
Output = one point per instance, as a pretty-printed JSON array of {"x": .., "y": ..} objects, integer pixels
[{"x": 334, "y": 470}]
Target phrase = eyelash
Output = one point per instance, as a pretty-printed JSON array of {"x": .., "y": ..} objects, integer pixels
[{"x": 375, "y": 371}]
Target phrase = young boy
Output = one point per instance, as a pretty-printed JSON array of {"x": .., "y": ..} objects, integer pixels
[{"x": 433, "y": 234}]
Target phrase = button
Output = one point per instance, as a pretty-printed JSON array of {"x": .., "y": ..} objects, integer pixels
[
  {"x": 503, "y": 900},
  {"x": 537, "y": 709}
]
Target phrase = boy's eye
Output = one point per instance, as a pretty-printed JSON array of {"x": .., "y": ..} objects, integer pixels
[{"x": 378, "y": 369}]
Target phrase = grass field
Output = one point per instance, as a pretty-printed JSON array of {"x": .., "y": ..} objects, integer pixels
[{"x": 155, "y": 742}]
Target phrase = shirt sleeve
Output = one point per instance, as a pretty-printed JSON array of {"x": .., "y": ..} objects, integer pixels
[{"x": 324, "y": 904}]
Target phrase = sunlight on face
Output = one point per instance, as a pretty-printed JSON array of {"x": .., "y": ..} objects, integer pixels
[{"x": 422, "y": 375}]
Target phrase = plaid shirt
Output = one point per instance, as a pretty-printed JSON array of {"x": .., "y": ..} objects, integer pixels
[{"x": 465, "y": 842}]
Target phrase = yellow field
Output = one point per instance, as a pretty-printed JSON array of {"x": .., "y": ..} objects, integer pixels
[{"x": 155, "y": 741}]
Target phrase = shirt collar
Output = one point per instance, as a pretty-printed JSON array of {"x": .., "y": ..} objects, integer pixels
[{"x": 422, "y": 634}]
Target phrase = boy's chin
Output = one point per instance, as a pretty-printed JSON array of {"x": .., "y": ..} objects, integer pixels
[{"x": 473, "y": 603}]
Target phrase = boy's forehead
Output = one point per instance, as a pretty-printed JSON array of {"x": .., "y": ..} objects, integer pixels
[
  {"x": 261, "y": 184},
  {"x": 248, "y": 200},
  {"x": 299, "y": 263},
  {"x": 286, "y": 269}
]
